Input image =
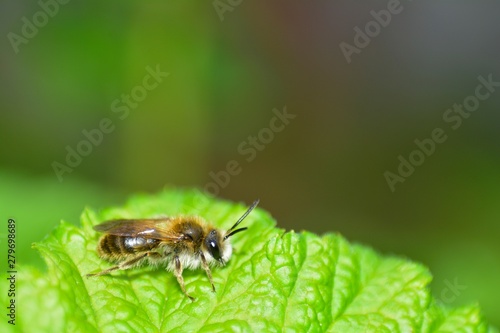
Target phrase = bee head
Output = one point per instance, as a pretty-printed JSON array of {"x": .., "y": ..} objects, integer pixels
[
  {"x": 213, "y": 243},
  {"x": 219, "y": 248}
]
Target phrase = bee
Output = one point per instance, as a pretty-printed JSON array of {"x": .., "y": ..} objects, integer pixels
[{"x": 174, "y": 242}]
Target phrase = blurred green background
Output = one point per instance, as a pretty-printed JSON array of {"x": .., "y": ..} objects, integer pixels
[{"x": 228, "y": 68}]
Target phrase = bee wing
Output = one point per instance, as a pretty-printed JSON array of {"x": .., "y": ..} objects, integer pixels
[{"x": 146, "y": 228}]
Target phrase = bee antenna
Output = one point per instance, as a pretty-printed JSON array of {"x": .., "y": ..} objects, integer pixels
[{"x": 232, "y": 231}]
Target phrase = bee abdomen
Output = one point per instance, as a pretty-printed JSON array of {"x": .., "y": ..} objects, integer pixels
[{"x": 112, "y": 245}]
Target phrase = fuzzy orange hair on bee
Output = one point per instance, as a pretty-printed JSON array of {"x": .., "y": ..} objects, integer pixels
[{"x": 177, "y": 243}]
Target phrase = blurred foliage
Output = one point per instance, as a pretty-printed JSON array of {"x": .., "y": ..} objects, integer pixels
[{"x": 39, "y": 204}]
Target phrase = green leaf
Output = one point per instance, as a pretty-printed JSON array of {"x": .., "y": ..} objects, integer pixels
[{"x": 276, "y": 281}]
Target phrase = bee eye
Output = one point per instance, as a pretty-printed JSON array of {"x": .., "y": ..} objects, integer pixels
[
  {"x": 212, "y": 245},
  {"x": 214, "y": 250}
]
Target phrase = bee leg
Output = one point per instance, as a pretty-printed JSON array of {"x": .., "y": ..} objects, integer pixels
[
  {"x": 180, "y": 279},
  {"x": 205, "y": 266},
  {"x": 125, "y": 265}
]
